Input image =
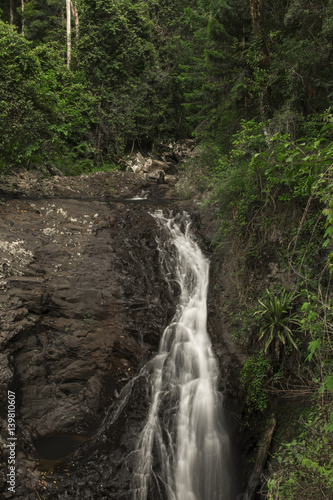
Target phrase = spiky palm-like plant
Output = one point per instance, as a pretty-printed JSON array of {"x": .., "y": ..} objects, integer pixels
[{"x": 277, "y": 321}]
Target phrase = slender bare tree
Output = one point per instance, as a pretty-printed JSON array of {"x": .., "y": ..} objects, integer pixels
[
  {"x": 68, "y": 32},
  {"x": 11, "y": 12},
  {"x": 75, "y": 14},
  {"x": 22, "y": 7}
]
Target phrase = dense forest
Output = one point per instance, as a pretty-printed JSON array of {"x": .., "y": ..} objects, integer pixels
[{"x": 85, "y": 82}]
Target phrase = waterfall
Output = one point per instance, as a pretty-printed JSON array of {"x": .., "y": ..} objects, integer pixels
[{"x": 182, "y": 452}]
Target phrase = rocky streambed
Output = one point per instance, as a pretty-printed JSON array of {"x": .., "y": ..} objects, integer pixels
[{"x": 83, "y": 305}]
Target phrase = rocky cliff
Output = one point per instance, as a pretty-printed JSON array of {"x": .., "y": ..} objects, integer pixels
[{"x": 83, "y": 307}]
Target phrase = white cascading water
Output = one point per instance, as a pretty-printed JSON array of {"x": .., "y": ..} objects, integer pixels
[{"x": 183, "y": 449}]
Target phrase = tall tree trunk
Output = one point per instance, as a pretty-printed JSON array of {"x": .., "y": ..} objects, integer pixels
[
  {"x": 68, "y": 32},
  {"x": 257, "y": 14},
  {"x": 11, "y": 12},
  {"x": 75, "y": 14},
  {"x": 22, "y": 6}
]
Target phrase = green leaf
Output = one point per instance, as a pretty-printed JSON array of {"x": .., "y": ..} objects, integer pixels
[
  {"x": 313, "y": 347},
  {"x": 329, "y": 383},
  {"x": 329, "y": 232}
]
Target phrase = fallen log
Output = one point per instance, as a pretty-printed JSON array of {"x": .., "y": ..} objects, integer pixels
[{"x": 264, "y": 447}]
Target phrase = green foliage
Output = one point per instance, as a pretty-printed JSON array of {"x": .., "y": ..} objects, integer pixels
[
  {"x": 228, "y": 77},
  {"x": 299, "y": 166},
  {"x": 27, "y": 110},
  {"x": 127, "y": 61},
  {"x": 149, "y": 66},
  {"x": 278, "y": 322},
  {"x": 249, "y": 141},
  {"x": 122, "y": 91},
  {"x": 316, "y": 320},
  {"x": 253, "y": 378},
  {"x": 234, "y": 186},
  {"x": 44, "y": 22},
  {"x": 213, "y": 75},
  {"x": 304, "y": 467},
  {"x": 243, "y": 324},
  {"x": 46, "y": 111},
  {"x": 259, "y": 172}
]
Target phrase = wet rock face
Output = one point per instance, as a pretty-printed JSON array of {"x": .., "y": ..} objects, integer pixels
[{"x": 82, "y": 307}]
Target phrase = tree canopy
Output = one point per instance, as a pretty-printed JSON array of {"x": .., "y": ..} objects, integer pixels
[{"x": 145, "y": 72}]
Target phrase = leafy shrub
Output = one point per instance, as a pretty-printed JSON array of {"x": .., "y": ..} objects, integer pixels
[
  {"x": 253, "y": 378},
  {"x": 304, "y": 467},
  {"x": 25, "y": 111},
  {"x": 45, "y": 109}
]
